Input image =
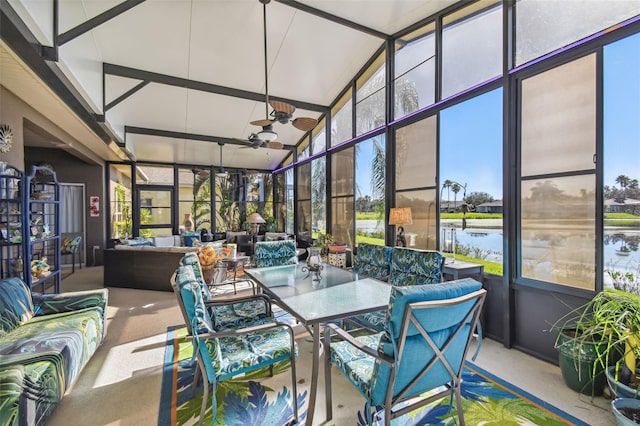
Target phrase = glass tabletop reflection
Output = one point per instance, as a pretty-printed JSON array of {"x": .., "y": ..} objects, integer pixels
[{"x": 338, "y": 294}]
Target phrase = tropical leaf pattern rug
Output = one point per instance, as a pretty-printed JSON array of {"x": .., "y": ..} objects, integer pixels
[{"x": 251, "y": 400}]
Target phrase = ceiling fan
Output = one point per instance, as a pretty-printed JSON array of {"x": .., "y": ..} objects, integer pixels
[{"x": 282, "y": 111}]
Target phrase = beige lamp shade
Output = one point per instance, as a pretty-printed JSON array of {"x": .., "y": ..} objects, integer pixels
[
  {"x": 255, "y": 218},
  {"x": 400, "y": 216}
]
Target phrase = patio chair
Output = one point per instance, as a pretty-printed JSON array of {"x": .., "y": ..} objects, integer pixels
[
  {"x": 415, "y": 267},
  {"x": 229, "y": 312},
  {"x": 408, "y": 267},
  {"x": 274, "y": 253},
  {"x": 70, "y": 246},
  {"x": 373, "y": 261},
  {"x": 223, "y": 355},
  {"x": 422, "y": 348}
]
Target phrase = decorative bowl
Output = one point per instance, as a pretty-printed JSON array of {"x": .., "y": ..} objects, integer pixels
[{"x": 337, "y": 248}]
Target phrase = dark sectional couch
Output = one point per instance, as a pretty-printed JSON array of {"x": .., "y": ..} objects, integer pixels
[{"x": 142, "y": 267}]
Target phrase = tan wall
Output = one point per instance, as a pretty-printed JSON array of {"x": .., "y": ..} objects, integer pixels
[{"x": 12, "y": 111}]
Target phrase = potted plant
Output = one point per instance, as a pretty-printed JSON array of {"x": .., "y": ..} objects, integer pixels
[{"x": 592, "y": 337}]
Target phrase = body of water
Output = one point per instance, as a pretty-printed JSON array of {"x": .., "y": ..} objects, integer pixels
[{"x": 488, "y": 244}]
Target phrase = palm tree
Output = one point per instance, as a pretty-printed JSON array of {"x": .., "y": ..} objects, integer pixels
[
  {"x": 455, "y": 188},
  {"x": 623, "y": 181}
]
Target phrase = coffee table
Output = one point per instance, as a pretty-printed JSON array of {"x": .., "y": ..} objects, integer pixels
[{"x": 340, "y": 293}]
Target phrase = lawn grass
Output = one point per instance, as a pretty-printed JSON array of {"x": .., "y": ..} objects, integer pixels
[{"x": 489, "y": 267}]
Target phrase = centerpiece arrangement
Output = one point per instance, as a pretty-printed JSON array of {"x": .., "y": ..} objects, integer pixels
[{"x": 211, "y": 263}]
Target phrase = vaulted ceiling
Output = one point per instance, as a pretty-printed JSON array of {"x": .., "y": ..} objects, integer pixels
[{"x": 169, "y": 79}]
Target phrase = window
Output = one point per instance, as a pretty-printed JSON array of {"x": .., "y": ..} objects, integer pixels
[
  {"x": 621, "y": 109},
  {"x": 557, "y": 198},
  {"x": 342, "y": 196},
  {"x": 416, "y": 180},
  {"x": 415, "y": 67},
  {"x": 318, "y": 195},
  {"x": 370, "y": 97},
  {"x": 121, "y": 201},
  {"x": 341, "y": 120},
  {"x": 471, "y": 47},
  {"x": 544, "y": 26},
  {"x": 319, "y": 137},
  {"x": 370, "y": 190},
  {"x": 303, "y": 183},
  {"x": 194, "y": 195},
  {"x": 471, "y": 179}
]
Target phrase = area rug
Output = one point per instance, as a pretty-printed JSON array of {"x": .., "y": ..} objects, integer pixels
[{"x": 258, "y": 399}]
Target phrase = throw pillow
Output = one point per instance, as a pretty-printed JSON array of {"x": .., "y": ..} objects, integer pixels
[{"x": 189, "y": 237}]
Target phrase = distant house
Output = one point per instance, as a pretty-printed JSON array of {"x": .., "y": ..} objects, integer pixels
[
  {"x": 621, "y": 205},
  {"x": 490, "y": 207}
]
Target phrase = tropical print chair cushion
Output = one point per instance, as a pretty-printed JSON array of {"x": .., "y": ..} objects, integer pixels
[
  {"x": 415, "y": 267},
  {"x": 355, "y": 364},
  {"x": 373, "y": 261},
  {"x": 240, "y": 314},
  {"x": 274, "y": 253},
  {"x": 228, "y": 356},
  {"x": 70, "y": 245},
  {"x": 45, "y": 342}
]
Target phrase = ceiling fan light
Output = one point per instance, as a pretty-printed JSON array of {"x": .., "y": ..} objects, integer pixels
[{"x": 267, "y": 135}]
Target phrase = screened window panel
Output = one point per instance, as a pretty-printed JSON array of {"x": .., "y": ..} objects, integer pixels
[
  {"x": 303, "y": 181},
  {"x": 343, "y": 218},
  {"x": 289, "y": 203},
  {"x": 319, "y": 194},
  {"x": 415, "y": 89},
  {"x": 154, "y": 175},
  {"x": 342, "y": 172},
  {"x": 544, "y": 26},
  {"x": 559, "y": 119},
  {"x": 341, "y": 120},
  {"x": 370, "y": 112},
  {"x": 319, "y": 138},
  {"x": 422, "y": 233},
  {"x": 304, "y": 218},
  {"x": 558, "y": 230},
  {"x": 471, "y": 48},
  {"x": 416, "y": 155}
]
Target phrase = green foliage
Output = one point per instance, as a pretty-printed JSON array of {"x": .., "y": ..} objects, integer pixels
[
  {"x": 490, "y": 267},
  {"x": 612, "y": 317}
]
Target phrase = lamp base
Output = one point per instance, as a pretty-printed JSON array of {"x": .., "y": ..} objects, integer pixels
[{"x": 401, "y": 241}]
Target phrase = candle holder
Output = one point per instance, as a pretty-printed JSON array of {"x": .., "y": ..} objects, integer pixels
[{"x": 314, "y": 263}]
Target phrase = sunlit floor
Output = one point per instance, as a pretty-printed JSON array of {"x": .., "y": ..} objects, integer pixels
[{"x": 121, "y": 384}]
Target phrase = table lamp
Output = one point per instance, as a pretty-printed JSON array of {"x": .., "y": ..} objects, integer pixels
[
  {"x": 400, "y": 216},
  {"x": 255, "y": 220}
]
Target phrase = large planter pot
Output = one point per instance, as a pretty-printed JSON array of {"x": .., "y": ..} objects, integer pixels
[
  {"x": 618, "y": 389},
  {"x": 627, "y": 411},
  {"x": 577, "y": 361}
]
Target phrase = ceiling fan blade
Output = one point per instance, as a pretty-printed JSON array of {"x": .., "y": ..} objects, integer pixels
[
  {"x": 305, "y": 124},
  {"x": 261, "y": 123},
  {"x": 274, "y": 145},
  {"x": 282, "y": 106}
]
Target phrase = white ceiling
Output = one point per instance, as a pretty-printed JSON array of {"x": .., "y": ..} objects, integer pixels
[{"x": 219, "y": 42}]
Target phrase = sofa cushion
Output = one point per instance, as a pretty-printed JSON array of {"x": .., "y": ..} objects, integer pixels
[
  {"x": 16, "y": 305},
  {"x": 168, "y": 241},
  {"x": 67, "y": 339}
]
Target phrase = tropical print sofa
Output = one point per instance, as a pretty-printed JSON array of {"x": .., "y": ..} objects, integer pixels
[{"x": 45, "y": 342}]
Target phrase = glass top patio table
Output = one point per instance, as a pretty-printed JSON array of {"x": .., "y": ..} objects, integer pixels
[{"x": 340, "y": 293}]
